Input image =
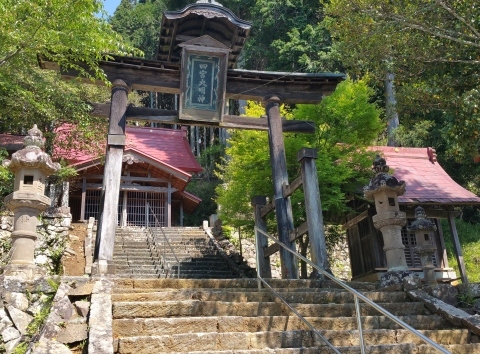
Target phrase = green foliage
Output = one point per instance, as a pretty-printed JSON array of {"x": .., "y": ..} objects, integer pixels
[
  {"x": 469, "y": 235},
  {"x": 205, "y": 190},
  {"x": 346, "y": 123},
  {"x": 139, "y": 23},
  {"x": 66, "y": 32},
  {"x": 6, "y": 177}
]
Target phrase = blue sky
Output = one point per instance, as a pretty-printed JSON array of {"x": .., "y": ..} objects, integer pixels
[{"x": 110, "y": 6}]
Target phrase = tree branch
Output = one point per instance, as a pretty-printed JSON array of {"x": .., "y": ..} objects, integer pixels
[{"x": 458, "y": 17}]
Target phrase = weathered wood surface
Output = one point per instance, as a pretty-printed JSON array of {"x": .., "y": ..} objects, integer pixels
[
  {"x": 298, "y": 232},
  {"x": 261, "y": 241},
  {"x": 280, "y": 177},
  {"x": 288, "y": 189},
  {"x": 113, "y": 171},
  {"x": 313, "y": 207},
  {"x": 228, "y": 121},
  {"x": 149, "y": 75},
  {"x": 267, "y": 208},
  {"x": 272, "y": 249},
  {"x": 355, "y": 220},
  {"x": 457, "y": 248}
]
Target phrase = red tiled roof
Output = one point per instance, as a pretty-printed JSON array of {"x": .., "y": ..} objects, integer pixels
[
  {"x": 425, "y": 179},
  {"x": 11, "y": 142},
  {"x": 166, "y": 146}
]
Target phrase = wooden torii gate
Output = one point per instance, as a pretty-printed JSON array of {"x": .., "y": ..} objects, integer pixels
[{"x": 197, "y": 51}]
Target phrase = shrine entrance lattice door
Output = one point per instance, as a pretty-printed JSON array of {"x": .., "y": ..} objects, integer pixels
[{"x": 137, "y": 208}]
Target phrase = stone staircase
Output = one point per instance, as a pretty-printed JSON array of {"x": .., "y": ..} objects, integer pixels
[
  {"x": 139, "y": 254},
  {"x": 232, "y": 317}
]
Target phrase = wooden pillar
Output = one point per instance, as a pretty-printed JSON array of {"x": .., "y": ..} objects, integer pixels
[
  {"x": 169, "y": 205},
  {"x": 261, "y": 241},
  {"x": 111, "y": 179},
  {"x": 313, "y": 207},
  {"x": 84, "y": 198},
  {"x": 283, "y": 208},
  {"x": 456, "y": 247}
]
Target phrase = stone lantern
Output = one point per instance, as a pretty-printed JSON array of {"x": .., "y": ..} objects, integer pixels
[
  {"x": 31, "y": 167},
  {"x": 423, "y": 228},
  {"x": 384, "y": 189}
]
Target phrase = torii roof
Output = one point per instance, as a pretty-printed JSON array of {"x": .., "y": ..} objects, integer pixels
[
  {"x": 426, "y": 181},
  {"x": 200, "y": 19}
]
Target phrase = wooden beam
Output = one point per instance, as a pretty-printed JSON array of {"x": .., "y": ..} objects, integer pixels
[
  {"x": 129, "y": 178},
  {"x": 355, "y": 220},
  {"x": 156, "y": 76},
  {"x": 228, "y": 121},
  {"x": 299, "y": 231},
  {"x": 432, "y": 213},
  {"x": 133, "y": 188},
  {"x": 288, "y": 189},
  {"x": 267, "y": 208},
  {"x": 268, "y": 251}
]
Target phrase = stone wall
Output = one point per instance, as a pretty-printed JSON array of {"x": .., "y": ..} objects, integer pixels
[
  {"x": 44, "y": 315},
  {"x": 52, "y": 230}
]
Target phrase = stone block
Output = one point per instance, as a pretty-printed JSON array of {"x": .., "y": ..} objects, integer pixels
[
  {"x": 17, "y": 300},
  {"x": 50, "y": 347},
  {"x": 412, "y": 283},
  {"x": 445, "y": 292},
  {"x": 73, "y": 332},
  {"x": 20, "y": 319},
  {"x": 473, "y": 289},
  {"x": 81, "y": 290},
  {"x": 82, "y": 308},
  {"x": 10, "y": 333},
  {"x": 10, "y": 346}
]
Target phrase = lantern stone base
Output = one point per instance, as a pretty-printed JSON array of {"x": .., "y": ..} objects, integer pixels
[{"x": 26, "y": 272}]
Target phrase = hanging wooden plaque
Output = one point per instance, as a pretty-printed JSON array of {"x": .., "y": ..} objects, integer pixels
[{"x": 203, "y": 79}]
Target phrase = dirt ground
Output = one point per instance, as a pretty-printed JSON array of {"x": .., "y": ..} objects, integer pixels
[{"x": 74, "y": 264}]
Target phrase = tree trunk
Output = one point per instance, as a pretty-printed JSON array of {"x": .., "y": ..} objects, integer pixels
[{"x": 391, "y": 108}]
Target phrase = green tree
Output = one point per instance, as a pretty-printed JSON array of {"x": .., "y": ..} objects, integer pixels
[
  {"x": 346, "y": 122},
  {"x": 430, "y": 46},
  {"x": 68, "y": 33},
  {"x": 139, "y": 23}
]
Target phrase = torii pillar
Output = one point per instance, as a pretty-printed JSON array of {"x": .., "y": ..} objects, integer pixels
[
  {"x": 283, "y": 206},
  {"x": 107, "y": 221}
]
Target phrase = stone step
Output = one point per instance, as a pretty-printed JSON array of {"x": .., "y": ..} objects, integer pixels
[
  {"x": 244, "y": 284},
  {"x": 374, "y": 349},
  {"x": 128, "y": 260},
  {"x": 211, "y": 341},
  {"x": 250, "y": 309},
  {"x": 325, "y": 297},
  {"x": 223, "y": 324}
]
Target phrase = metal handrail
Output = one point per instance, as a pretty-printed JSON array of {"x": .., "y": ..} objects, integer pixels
[
  {"x": 357, "y": 295},
  {"x": 154, "y": 234}
]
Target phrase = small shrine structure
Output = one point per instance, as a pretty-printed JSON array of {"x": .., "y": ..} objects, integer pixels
[
  {"x": 428, "y": 186},
  {"x": 157, "y": 165}
]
